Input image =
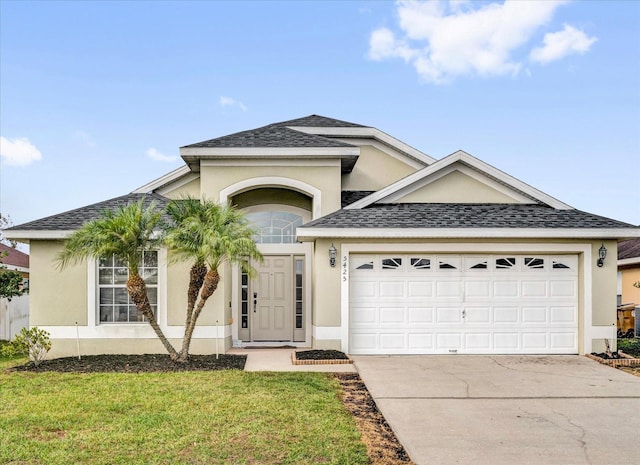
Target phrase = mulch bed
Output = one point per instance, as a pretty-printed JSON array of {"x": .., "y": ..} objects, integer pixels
[
  {"x": 317, "y": 354},
  {"x": 136, "y": 364},
  {"x": 382, "y": 445}
]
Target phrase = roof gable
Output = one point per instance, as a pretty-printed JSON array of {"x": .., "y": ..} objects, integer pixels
[
  {"x": 470, "y": 166},
  {"x": 273, "y": 135},
  {"x": 14, "y": 257}
]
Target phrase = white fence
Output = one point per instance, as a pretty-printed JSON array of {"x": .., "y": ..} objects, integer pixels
[{"x": 14, "y": 315}]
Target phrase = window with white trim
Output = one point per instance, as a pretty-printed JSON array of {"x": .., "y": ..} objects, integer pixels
[
  {"x": 274, "y": 227},
  {"x": 114, "y": 303}
]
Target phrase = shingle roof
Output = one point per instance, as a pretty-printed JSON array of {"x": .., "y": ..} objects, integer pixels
[
  {"x": 629, "y": 249},
  {"x": 463, "y": 215},
  {"x": 348, "y": 197},
  {"x": 318, "y": 121},
  {"x": 14, "y": 257},
  {"x": 74, "y": 219},
  {"x": 279, "y": 135}
]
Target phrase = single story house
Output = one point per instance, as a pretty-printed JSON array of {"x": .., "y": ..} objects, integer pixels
[{"x": 371, "y": 247}]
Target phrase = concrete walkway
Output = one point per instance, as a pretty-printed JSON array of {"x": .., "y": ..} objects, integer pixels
[
  {"x": 280, "y": 360},
  {"x": 507, "y": 409}
]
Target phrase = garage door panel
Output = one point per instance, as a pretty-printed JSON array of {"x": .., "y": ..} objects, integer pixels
[
  {"x": 477, "y": 289},
  {"x": 364, "y": 315},
  {"x": 420, "y": 315},
  {"x": 420, "y": 288},
  {"x": 534, "y": 340},
  {"x": 478, "y": 315},
  {"x": 391, "y": 289},
  {"x": 563, "y": 289},
  {"x": 505, "y": 315},
  {"x": 391, "y": 315},
  {"x": 364, "y": 289},
  {"x": 362, "y": 342},
  {"x": 506, "y": 342},
  {"x": 420, "y": 342},
  {"x": 448, "y": 341},
  {"x": 448, "y": 289},
  {"x": 534, "y": 289},
  {"x": 448, "y": 315},
  {"x": 562, "y": 340},
  {"x": 478, "y": 341},
  {"x": 505, "y": 289},
  {"x": 421, "y": 303},
  {"x": 534, "y": 315},
  {"x": 392, "y": 341},
  {"x": 563, "y": 314}
]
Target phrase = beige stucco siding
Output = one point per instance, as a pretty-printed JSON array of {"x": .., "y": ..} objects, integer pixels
[
  {"x": 456, "y": 187},
  {"x": 57, "y": 298},
  {"x": 374, "y": 170},
  {"x": 325, "y": 178},
  {"x": 179, "y": 189},
  {"x": 326, "y": 288},
  {"x": 177, "y": 285},
  {"x": 605, "y": 284}
]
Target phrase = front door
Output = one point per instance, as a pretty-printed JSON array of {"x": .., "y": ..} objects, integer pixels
[{"x": 271, "y": 299}]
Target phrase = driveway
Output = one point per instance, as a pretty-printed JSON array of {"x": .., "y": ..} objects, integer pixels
[{"x": 507, "y": 409}]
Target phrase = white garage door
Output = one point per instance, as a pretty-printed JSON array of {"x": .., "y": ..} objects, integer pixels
[{"x": 489, "y": 304}]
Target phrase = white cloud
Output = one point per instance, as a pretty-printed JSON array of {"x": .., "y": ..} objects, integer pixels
[
  {"x": 157, "y": 156},
  {"x": 443, "y": 40},
  {"x": 559, "y": 44},
  {"x": 230, "y": 102},
  {"x": 18, "y": 152}
]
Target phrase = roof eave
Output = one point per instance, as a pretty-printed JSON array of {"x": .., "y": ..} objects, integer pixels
[{"x": 310, "y": 234}]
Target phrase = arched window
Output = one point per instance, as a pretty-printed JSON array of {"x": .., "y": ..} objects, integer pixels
[{"x": 275, "y": 227}]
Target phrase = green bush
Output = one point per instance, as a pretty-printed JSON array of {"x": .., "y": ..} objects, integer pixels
[
  {"x": 630, "y": 346},
  {"x": 33, "y": 342}
]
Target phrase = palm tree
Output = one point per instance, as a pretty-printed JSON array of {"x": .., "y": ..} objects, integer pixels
[
  {"x": 125, "y": 233},
  {"x": 209, "y": 234}
]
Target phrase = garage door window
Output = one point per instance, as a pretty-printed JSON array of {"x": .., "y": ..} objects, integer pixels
[
  {"x": 391, "y": 263},
  {"x": 421, "y": 263}
]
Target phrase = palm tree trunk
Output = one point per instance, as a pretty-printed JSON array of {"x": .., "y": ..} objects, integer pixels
[
  {"x": 138, "y": 293},
  {"x": 196, "y": 279},
  {"x": 210, "y": 284}
]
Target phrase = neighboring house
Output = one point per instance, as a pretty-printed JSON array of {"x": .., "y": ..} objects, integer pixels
[
  {"x": 370, "y": 246},
  {"x": 14, "y": 313},
  {"x": 629, "y": 271}
]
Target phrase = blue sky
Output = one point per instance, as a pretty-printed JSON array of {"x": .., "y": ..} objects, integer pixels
[{"x": 97, "y": 97}]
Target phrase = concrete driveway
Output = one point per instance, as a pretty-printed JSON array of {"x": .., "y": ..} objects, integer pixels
[{"x": 458, "y": 409}]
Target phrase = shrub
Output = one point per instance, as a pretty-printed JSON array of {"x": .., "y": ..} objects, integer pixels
[{"x": 33, "y": 342}]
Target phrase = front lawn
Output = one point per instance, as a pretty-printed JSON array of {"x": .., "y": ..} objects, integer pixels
[{"x": 223, "y": 417}]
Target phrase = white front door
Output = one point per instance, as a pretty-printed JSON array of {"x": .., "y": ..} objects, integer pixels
[
  {"x": 483, "y": 304},
  {"x": 271, "y": 299}
]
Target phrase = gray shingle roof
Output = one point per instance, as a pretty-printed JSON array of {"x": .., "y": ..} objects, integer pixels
[
  {"x": 463, "y": 215},
  {"x": 74, "y": 219},
  {"x": 348, "y": 197},
  {"x": 318, "y": 121},
  {"x": 279, "y": 135}
]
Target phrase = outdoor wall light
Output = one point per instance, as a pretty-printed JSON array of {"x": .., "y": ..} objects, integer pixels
[
  {"x": 333, "y": 252},
  {"x": 602, "y": 254}
]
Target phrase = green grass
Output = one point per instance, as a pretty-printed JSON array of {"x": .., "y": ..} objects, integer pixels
[
  {"x": 8, "y": 362},
  {"x": 630, "y": 346},
  {"x": 222, "y": 417}
]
